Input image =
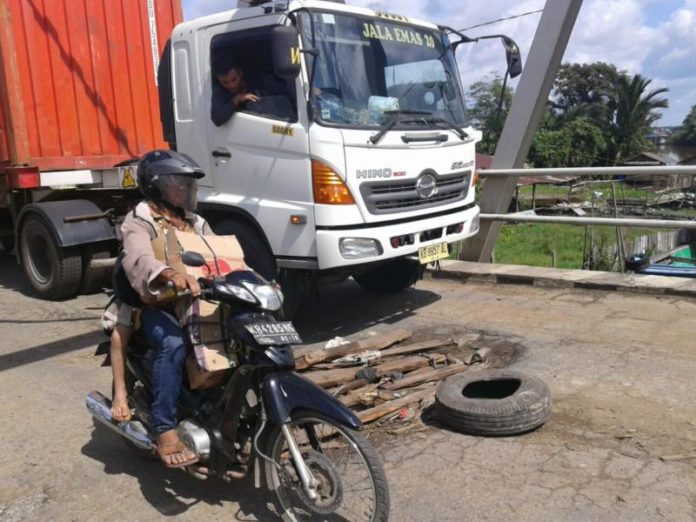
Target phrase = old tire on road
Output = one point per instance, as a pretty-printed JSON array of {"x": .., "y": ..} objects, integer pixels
[
  {"x": 55, "y": 272},
  {"x": 493, "y": 402}
]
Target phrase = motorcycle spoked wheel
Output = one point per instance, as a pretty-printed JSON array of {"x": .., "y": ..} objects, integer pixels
[{"x": 352, "y": 483}]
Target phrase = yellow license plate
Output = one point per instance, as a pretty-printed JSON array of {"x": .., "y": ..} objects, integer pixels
[{"x": 432, "y": 253}]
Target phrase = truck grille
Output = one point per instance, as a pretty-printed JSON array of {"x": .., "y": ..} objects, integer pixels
[{"x": 384, "y": 197}]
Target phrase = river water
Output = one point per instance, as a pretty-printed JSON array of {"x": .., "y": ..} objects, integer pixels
[{"x": 675, "y": 153}]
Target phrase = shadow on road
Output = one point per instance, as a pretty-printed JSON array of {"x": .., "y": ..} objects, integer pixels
[
  {"x": 170, "y": 491},
  {"x": 34, "y": 354},
  {"x": 346, "y": 308},
  {"x": 11, "y": 276}
]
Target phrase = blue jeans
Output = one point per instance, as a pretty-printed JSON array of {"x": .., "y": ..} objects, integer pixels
[{"x": 164, "y": 334}]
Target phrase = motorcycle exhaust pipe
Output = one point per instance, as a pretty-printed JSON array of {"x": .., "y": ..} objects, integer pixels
[{"x": 100, "y": 408}]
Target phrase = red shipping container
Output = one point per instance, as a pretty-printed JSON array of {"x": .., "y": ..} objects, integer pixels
[{"x": 78, "y": 80}]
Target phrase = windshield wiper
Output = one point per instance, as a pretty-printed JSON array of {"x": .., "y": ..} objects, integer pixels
[
  {"x": 460, "y": 132},
  {"x": 394, "y": 119}
]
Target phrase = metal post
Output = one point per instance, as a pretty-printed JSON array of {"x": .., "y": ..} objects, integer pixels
[{"x": 545, "y": 56}]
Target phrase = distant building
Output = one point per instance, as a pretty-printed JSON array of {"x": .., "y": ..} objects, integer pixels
[{"x": 660, "y": 136}]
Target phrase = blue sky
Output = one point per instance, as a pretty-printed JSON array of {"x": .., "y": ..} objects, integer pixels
[{"x": 656, "y": 38}]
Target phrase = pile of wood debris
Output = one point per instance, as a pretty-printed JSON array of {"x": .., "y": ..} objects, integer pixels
[{"x": 382, "y": 375}]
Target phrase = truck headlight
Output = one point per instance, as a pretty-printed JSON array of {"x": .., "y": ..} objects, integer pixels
[
  {"x": 474, "y": 224},
  {"x": 359, "y": 247}
]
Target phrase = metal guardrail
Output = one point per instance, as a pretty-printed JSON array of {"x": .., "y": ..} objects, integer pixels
[{"x": 591, "y": 171}]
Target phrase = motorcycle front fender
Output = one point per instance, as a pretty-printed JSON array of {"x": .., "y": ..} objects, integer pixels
[{"x": 285, "y": 392}]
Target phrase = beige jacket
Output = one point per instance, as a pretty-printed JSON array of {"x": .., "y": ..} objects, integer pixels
[{"x": 139, "y": 262}]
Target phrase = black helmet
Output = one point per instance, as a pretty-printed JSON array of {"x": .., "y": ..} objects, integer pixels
[{"x": 170, "y": 177}]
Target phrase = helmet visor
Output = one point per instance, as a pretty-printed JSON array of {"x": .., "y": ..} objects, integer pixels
[{"x": 179, "y": 191}]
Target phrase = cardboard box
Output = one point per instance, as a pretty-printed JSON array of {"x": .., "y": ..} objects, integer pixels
[
  {"x": 210, "y": 361},
  {"x": 200, "y": 378}
]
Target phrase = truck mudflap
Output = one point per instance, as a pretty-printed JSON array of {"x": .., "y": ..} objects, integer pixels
[{"x": 73, "y": 222}]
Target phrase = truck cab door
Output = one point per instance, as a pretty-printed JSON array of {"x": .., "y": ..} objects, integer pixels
[{"x": 259, "y": 158}]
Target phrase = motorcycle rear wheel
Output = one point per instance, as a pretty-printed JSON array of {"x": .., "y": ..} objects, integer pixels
[{"x": 353, "y": 486}]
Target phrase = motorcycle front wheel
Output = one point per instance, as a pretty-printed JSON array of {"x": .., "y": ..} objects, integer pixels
[{"x": 352, "y": 485}]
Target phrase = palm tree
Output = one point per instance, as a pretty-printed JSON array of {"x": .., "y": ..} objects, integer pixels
[{"x": 634, "y": 112}]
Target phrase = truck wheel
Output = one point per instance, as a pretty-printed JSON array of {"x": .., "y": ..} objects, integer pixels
[
  {"x": 94, "y": 279},
  {"x": 256, "y": 253},
  {"x": 391, "y": 277},
  {"x": 53, "y": 271},
  {"x": 7, "y": 243}
]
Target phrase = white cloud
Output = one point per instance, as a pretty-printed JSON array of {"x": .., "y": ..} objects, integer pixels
[{"x": 638, "y": 36}]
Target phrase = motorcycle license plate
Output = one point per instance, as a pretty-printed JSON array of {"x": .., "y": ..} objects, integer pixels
[
  {"x": 432, "y": 253},
  {"x": 268, "y": 333}
]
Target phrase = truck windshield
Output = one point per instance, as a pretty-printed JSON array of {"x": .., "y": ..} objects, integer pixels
[{"x": 366, "y": 69}]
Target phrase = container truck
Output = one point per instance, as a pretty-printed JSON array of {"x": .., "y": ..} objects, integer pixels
[
  {"x": 78, "y": 102},
  {"x": 357, "y": 159}
]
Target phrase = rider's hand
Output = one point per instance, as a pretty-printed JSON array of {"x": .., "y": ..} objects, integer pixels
[{"x": 182, "y": 282}]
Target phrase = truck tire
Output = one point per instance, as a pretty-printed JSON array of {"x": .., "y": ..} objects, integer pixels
[
  {"x": 493, "y": 402},
  {"x": 637, "y": 261},
  {"x": 7, "y": 243},
  {"x": 391, "y": 277},
  {"x": 54, "y": 272},
  {"x": 256, "y": 253},
  {"x": 94, "y": 279}
]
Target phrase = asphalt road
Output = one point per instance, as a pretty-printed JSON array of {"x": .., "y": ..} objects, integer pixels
[{"x": 621, "y": 444}]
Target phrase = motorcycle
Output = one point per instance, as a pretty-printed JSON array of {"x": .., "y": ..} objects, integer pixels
[{"x": 265, "y": 418}]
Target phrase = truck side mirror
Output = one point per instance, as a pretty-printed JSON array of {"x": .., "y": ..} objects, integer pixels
[
  {"x": 513, "y": 56},
  {"x": 286, "y": 52}
]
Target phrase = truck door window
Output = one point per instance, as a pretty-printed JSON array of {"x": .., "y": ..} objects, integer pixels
[{"x": 250, "y": 53}]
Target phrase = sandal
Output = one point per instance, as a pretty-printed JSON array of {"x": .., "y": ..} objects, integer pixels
[
  {"x": 175, "y": 446},
  {"x": 121, "y": 418}
]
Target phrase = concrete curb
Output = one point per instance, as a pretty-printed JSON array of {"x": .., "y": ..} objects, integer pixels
[{"x": 492, "y": 273}]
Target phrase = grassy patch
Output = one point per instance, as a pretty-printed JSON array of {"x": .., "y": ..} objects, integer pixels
[{"x": 533, "y": 244}]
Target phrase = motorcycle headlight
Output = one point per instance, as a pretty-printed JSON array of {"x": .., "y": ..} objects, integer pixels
[
  {"x": 269, "y": 297},
  {"x": 241, "y": 293}
]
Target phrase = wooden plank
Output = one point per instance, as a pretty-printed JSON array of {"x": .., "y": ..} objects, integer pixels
[
  {"x": 429, "y": 376},
  {"x": 376, "y": 342},
  {"x": 329, "y": 378},
  {"x": 380, "y": 411},
  {"x": 353, "y": 398},
  {"x": 418, "y": 347}
]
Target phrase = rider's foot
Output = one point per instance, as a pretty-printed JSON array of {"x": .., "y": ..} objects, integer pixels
[
  {"x": 120, "y": 411},
  {"x": 173, "y": 452}
]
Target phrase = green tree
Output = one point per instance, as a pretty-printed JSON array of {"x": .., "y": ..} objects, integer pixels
[
  {"x": 578, "y": 143},
  {"x": 634, "y": 110},
  {"x": 687, "y": 134},
  {"x": 483, "y": 112},
  {"x": 585, "y": 91}
]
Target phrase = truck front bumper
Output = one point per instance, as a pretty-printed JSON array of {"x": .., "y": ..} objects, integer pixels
[{"x": 411, "y": 235}]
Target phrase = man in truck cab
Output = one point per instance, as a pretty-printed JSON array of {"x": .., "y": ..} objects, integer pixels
[
  {"x": 168, "y": 180},
  {"x": 230, "y": 90}
]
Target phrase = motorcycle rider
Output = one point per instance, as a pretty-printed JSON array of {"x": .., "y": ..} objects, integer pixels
[{"x": 168, "y": 181}]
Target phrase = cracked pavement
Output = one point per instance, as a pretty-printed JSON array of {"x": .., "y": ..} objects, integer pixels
[{"x": 620, "y": 444}]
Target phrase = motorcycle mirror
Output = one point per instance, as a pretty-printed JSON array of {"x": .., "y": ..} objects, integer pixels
[{"x": 190, "y": 258}]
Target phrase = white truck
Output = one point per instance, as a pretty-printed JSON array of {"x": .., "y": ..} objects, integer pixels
[{"x": 358, "y": 162}]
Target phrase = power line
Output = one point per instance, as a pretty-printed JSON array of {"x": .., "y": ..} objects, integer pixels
[{"x": 502, "y": 19}]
